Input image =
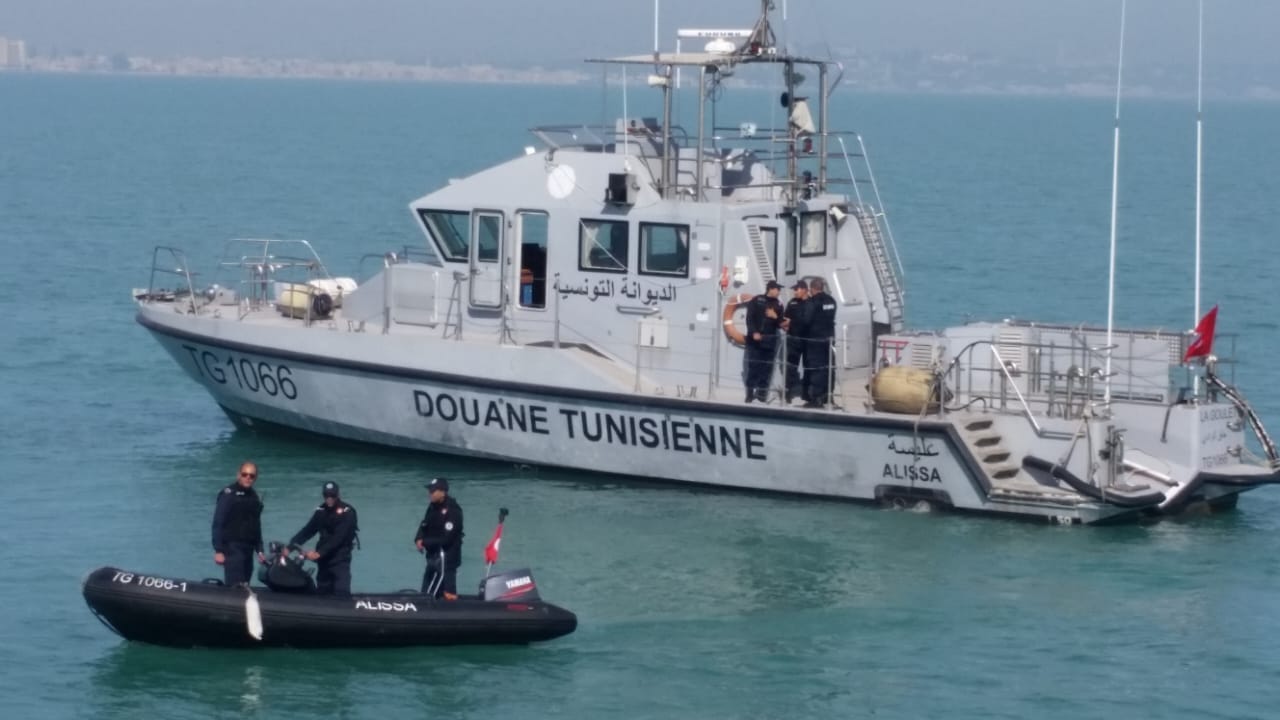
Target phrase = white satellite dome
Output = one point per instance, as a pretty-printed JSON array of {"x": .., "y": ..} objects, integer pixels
[{"x": 720, "y": 46}]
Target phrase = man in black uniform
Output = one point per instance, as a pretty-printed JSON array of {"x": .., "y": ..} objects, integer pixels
[
  {"x": 794, "y": 322},
  {"x": 440, "y": 538},
  {"x": 764, "y": 313},
  {"x": 336, "y": 522},
  {"x": 237, "y": 527},
  {"x": 821, "y": 318}
]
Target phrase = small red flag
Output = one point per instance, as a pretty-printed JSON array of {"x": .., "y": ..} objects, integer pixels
[
  {"x": 491, "y": 550},
  {"x": 1203, "y": 344}
]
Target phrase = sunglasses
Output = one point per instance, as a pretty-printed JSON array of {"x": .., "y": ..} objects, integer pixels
[{"x": 251, "y": 476}]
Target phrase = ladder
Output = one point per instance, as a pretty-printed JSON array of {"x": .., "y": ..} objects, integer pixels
[
  {"x": 455, "y": 302},
  {"x": 890, "y": 286},
  {"x": 761, "y": 253}
]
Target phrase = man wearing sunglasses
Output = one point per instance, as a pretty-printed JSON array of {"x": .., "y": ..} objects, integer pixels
[{"x": 237, "y": 527}]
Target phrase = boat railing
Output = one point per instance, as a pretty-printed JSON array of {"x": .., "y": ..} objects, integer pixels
[
  {"x": 601, "y": 138},
  {"x": 256, "y": 265},
  {"x": 384, "y": 261},
  {"x": 399, "y": 256},
  {"x": 172, "y": 262},
  {"x": 770, "y": 146},
  {"x": 1048, "y": 380},
  {"x": 777, "y": 147},
  {"x": 1053, "y": 392},
  {"x": 1175, "y": 344}
]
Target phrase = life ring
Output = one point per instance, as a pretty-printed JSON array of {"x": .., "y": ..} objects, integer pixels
[{"x": 731, "y": 306}]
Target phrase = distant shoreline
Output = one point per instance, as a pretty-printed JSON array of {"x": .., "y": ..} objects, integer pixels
[{"x": 533, "y": 77}]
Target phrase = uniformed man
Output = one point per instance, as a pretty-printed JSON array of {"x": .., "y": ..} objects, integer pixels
[
  {"x": 764, "y": 314},
  {"x": 336, "y": 523},
  {"x": 237, "y": 527},
  {"x": 821, "y": 318},
  {"x": 440, "y": 538},
  {"x": 794, "y": 321}
]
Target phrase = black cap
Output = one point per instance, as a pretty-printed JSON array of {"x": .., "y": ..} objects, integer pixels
[
  {"x": 330, "y": 489},
  {"x": 772, "y": 285},
  {"x": 438, "y": 484},
  {"x": 800, "y": 285}
]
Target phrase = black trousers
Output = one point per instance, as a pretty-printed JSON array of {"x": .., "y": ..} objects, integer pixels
[
  {"x": 437, "y": 582},
  {"x": 795, "y": 360},
  {"x": 333, "y": 578},
  {"x": 237, "y": 565},
  {"x": 817, "y": 370},
  {"x": 760, "y": 366}
]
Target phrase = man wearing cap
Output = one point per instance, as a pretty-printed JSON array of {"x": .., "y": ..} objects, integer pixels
[
  {"x": 795, "y": 322},
  {"x": 440, "y": 539},
  {"x": 336, "y": 522},
  {"x": 237, "y": 527},
  {"x": 764, "y": 313}
]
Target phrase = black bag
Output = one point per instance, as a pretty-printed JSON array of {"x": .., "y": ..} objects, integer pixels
[{"x": 286, "y": 574}]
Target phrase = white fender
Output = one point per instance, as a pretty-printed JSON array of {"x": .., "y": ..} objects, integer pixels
[{"x": 253, "y": 616}]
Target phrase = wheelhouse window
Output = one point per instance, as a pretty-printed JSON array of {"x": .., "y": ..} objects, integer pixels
[
  {"x": 664, "y": 249},
  {"x": 449, "y": 230},
  {"x": 602, "y": 245},
  {"x": 813, "y": 241},
  {"x": 533, "y": 258},
  {"x": 488, "y": 237}
]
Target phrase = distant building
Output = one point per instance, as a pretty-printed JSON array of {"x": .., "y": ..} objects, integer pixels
[
  {"x": 13, "y": 54},
  {"x": 18, "y": 54}
]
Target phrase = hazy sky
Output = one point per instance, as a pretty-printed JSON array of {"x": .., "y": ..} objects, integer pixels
[{"x": 556, "y": 32}]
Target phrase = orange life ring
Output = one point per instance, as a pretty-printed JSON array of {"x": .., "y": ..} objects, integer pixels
[{"x": 730, "y": 307}]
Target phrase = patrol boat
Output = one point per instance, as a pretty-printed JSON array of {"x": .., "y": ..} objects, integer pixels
[{"x": 578, "y": 306}]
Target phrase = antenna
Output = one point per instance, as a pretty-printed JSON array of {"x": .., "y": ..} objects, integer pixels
[
  {"x": 655, "y": 30},
  {"x": 1115, "y": 188},
  {"x": 1199, "y": 148},
  {"x": 785, "y": 26},
  {"x": 1195, "y": 380}
]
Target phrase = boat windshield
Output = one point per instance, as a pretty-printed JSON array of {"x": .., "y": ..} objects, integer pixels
[{"x": 450, "y": 230}]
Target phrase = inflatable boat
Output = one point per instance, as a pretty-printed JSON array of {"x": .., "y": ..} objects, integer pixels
[{"x": 206, "y": 613}]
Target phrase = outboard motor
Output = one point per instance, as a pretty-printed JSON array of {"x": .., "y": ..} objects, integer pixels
[
  {"x": 509, "y": 586},
  {"x": 284, "y": 573}
]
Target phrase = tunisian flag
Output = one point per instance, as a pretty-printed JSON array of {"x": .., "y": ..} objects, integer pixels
[
  {"x": 1203, "y": 344},
  {"x": 491, "y": 550}
]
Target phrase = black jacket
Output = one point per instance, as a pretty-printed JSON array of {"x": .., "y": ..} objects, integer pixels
[
  {"x": 758, "y": 320},
  {"x": 822, "y": 316},
  {"x": 797, "y": 314},
  {"x": 441, "y": 529},
  {"x": 337, "y": 526},
  {"x": 237, "y": 518}
]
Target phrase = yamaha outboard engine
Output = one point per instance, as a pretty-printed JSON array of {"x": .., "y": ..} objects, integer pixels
[
  {"x": 285, "y": 573},
  {"x": 509, "y": 586}
]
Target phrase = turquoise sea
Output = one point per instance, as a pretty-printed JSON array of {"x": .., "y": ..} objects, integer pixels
[{"x": 692, "y": 603}]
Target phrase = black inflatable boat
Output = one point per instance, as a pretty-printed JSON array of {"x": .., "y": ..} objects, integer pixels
[{"x": 185, "y": 613}]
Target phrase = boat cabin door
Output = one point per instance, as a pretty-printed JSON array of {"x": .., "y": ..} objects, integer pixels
[{"x": 488, "y": 249}]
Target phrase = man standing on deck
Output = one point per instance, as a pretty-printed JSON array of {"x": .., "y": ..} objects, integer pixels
[
  {"x": 794, "y": 321},
  {"x": 237, "y": 527},
  {"x": 821, "y": 318},
  {"x": 336, "y": 522},
  {"x": 764, "y": 314},
  {"x": 440, "y": 539}
]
